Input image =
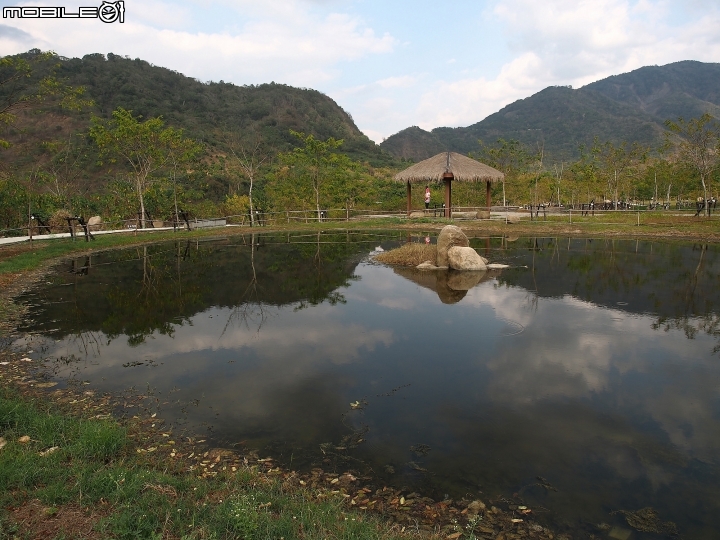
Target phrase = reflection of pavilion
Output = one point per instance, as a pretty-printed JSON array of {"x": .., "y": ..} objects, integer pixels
[{"x": 451, "y": 286}]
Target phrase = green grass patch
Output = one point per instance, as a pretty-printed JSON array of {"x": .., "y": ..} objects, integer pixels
[{"x": 96, "y": 467}]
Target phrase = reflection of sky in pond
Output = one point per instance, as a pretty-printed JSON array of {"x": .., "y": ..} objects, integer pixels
[{"x": 503, "y": 386}]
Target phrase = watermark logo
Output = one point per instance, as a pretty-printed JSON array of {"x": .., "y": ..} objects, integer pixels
[{"x": 108, "y": 12}]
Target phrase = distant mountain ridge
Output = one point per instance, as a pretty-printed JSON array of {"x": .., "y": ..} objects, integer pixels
[{"x": 631, "y": 107}]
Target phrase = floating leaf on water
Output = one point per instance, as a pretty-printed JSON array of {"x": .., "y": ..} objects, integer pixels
[
  {"x": 420, "y": 449},
  {"x": 618, "y": 533},
  {"x": 545, "y": 484},
  {"x": 647, "y": 520}
]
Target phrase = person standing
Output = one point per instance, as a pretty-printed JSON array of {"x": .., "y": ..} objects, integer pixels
[{"x": 427, "y": 197}]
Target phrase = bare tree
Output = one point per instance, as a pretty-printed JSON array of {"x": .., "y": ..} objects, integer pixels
[
  {"x": 249, "y": 154},
  {"x": 65, "y": 168},
  {"x": 698, "y": 147}
]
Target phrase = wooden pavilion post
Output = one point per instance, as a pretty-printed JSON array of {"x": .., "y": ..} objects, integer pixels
[
  {"x": 488, "y": 197},
  {"x": 409, "y": 198},
  {"x": 447, "y": 179}
]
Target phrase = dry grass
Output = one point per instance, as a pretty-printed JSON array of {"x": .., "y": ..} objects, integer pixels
[
  {"x": 409, "y": 255},
  {"x": 40, "y": 522}
]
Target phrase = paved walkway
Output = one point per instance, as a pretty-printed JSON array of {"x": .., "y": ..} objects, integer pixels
[{"x": 81, "y": 236}]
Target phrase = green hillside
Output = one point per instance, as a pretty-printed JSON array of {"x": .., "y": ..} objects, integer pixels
[
  {"x": 628, "y": 107},
  {"x": 207, "y": 111},
  {"x": 686, "y": 89}
]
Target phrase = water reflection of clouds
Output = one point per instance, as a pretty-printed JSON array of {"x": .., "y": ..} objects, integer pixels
[
  {"x": 290, "y": 342},
  {"x": 571, "y": 349},
  {"x": 593, "y": 396},
  {"x": 381, "y": 286}
]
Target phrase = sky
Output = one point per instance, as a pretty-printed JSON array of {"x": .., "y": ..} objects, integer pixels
[{"x": 390, "y": 64}]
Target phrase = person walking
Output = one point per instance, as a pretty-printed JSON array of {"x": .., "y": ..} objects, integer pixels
[{"x": 427, "y": 197}]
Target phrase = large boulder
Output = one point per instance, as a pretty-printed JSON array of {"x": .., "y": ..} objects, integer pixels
[
  {"x": 94, "y": 223},
  {"x": 465, "y": 258},
  {"x": 450, "y": 236}
]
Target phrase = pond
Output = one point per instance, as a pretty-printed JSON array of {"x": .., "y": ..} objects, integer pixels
[{"x": 584, "y": 378}]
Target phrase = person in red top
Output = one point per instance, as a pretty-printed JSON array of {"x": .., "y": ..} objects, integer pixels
[{"x": 427, "y": 197}]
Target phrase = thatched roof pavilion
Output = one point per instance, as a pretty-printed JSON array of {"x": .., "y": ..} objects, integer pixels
[{"x": 447, "y": 167}]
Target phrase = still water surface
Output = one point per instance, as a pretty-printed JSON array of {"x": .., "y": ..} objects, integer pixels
[{"x": 592, "y": 364}]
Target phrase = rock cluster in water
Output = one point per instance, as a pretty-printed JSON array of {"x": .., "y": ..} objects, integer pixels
[{"x": 454, "y": 251}]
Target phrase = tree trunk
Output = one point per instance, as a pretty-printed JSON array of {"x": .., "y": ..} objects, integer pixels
[
  {"x": 30, "y": 220},
  {"x": 142, "y": 209},
  {"x": 615, "y": 202},
  {"x": 252, "y": 215},
  {"x": 316, "y": 187},
  {"x": 707, "y": 206}
]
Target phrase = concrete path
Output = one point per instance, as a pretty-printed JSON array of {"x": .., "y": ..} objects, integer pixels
[{"x": 80, "y": 236}]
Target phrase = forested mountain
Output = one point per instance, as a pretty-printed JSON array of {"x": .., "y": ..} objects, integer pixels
[
  {"x": 686, "y": 89},
  {"x": 628, "y": 107},
  {"x": 207, "y": 111}
]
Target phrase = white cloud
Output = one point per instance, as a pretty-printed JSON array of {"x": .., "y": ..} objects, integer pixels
[
  {"x": 390, "y": 83},
  {"x": 466, "y": 101},
  {"x": 294, "y": 45},
  {"x": 563, "y": 42}
]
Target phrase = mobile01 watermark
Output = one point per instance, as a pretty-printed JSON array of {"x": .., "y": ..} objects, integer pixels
[{"x": 108, "y": 12}]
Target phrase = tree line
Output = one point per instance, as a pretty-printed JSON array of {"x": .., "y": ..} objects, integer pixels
[
  {"x": 684, "y": 169},
  {"x": 152, "y": 171}
]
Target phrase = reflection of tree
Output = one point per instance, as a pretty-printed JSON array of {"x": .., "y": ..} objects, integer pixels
[
  {"x": 153, "y": 303},
  {"x": 137, "y": 292},
  {"x": 691, "y": 326},
  {"x": 675, "y": 282},
  {"x": 250, "y": 309}
]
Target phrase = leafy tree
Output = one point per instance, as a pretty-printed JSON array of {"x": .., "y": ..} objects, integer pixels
[
  {"x": 510, "y": 157},
  {"x": 146, "y": 146},
  {"x": 584, "y": 174},
  {"x": 315, "y": 164},
  {"x": 236, "y": 205},
  {"x": 12, "y": 202},
  {"x": 698, "y": 147}
]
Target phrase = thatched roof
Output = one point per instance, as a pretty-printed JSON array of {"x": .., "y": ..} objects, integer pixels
[{"x": 462, "y": 167}]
